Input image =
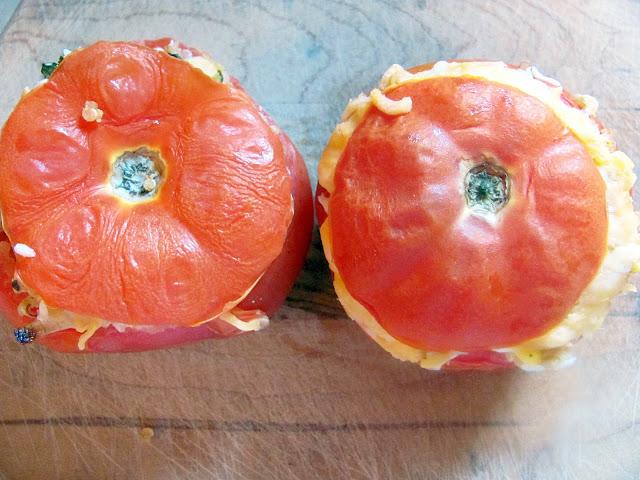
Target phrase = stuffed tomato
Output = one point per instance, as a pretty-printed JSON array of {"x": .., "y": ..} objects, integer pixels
[
  {"x": 476, "y": 215},
  {"x": 146, "y": 201}
]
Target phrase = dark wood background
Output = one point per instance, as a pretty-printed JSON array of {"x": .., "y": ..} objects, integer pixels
[{"x": 312, "y": 397}]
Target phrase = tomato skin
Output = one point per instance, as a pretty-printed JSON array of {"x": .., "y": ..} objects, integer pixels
[
  {"x": 105, "y": 340},
  {"x": 182, "y": 255},
  {"x": 437, "y": 277},
  {"x": 267, "y": 295},
  {"x": 480, "y": 344},
  {"x": 486, "y": 360},
  {"x": 272, "y": 289}
]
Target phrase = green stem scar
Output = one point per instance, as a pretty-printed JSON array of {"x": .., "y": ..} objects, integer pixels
[
  {"x": 136, "y": 175},
  {"x": 487, "y": 188}
]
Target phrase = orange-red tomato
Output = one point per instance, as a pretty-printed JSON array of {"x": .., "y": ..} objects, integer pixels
[
  {"x": 439, "y": 279},
  {"x": 233, "y": 206}
]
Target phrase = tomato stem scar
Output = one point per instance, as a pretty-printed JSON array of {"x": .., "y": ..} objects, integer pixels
[
  {"x": 136, "y": 175},
  {"x": 487, "y": 187}
]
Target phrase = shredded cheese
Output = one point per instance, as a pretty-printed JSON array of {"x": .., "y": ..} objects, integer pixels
[
  {"x": 52, "y": 319},
  {"x": 588, "y": 103},
  {"x": 388, "y": 106},
  {"x": 87, "y": 330},
  {"x": 550, "y": 350},
  {"x": 323, "y": 200},
  {"x": 91, "y": 112},
  {"x": 259, "y": 322},
  {"x": 206, "y": 65}
]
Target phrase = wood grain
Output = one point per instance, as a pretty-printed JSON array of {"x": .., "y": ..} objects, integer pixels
[{"x": 312, "y": 397}]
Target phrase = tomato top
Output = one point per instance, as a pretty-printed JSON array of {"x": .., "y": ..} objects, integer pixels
[
  {"x": 413, "y": 243},
  {"x": 216, "y": 218}
]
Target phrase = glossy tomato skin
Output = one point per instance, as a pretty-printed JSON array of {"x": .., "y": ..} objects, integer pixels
[
  {"x": 487, "y": 360},
  {"x": 181, "y": 254},
  {"x": 272, "y": 289},
  {"x": 441, "y": 278},
  {"x": 267, "y": 295}
]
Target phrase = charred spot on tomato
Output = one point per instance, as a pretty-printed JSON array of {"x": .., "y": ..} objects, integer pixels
[
  {"x": 15, "y": 285},
  {"x": 24, "y": 335},
  {"x": 136, "y": 175},
  {"x": 487, "y": 187}
]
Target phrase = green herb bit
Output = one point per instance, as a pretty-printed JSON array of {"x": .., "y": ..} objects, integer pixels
[
  {"x": 219, "y": 76},
  {"x": 175, "y": 55},
  {"x": 47, "y": 69}
]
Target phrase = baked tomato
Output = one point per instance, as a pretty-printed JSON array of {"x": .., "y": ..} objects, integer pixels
[
  {"x": 147, "y": 201},
  {"x": 476, "y": 215}
]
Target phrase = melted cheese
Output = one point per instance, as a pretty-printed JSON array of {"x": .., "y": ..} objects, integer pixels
[
  {"x": 204, "y": 63},
  {"x": 355, "y": 310},
  {"x": 51, "y": 319},
  {"x": 207, "y": 66},
  {"x": 388, "y": 106},
  {"x": 623, "y": 254},
  {"x": 259, "y": 321}
]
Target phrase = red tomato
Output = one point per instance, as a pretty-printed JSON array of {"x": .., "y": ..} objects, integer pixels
[
  {"x": 440, "y": 280},
  {"x": 223, "y": 217}
]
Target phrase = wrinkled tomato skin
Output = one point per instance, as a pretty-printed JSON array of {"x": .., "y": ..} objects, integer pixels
[
  {"x": 480, "y": 358},
  {"x": 267, "y": 295},
  {"x": 272, "y": 289},
  {"x": 104, "y": 340},
  {"x": 177, "y": 257},
  {"x": 439, "y": 278},
  {"x": 487, "y": 360}
]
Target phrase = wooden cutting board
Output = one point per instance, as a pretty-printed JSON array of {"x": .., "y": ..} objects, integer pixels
[{"x": 312, "y": 397}]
